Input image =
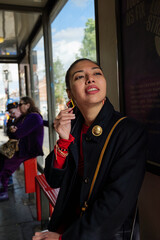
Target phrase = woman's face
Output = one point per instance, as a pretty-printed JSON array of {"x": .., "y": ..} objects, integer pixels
[
  {"x": 87, "y": 84},
  {"x": 15, "y": 112},
  {"x": 23, "y": 107}
]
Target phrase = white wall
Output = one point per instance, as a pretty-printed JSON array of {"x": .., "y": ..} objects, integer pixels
[{"x": 108, "y": 48}]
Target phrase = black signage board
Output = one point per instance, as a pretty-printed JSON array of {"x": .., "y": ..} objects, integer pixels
[{"x": 140, "y": 56}]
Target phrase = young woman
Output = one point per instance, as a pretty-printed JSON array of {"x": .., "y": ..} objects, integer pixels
[
  {"x": 71, "y": 167},
  {"x": 29, "y": 131}
]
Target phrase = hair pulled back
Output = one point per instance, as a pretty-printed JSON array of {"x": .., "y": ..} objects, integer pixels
[{"x": 67, "y": 77}]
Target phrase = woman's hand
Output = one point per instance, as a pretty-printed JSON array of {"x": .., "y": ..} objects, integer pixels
[
  {"x": 62, "y": 123},
  {"x": 46, "y": 235},
  {"x": 13, "y": 129}
]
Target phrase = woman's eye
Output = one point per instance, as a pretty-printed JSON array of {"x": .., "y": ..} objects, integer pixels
[
  {"x": 98, "y": 73},
  {"x": 79, "y": 77}
]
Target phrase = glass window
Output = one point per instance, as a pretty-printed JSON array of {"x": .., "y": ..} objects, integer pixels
[
  {"x": 9, "y": 90},
  {"x": 23, "y": 88},
  {"x": 9, "y": 82},
  {"x": 73, "y": 37},
  {"x": 39, "y": 89},
  {"x": 15, "y": 27},
  {"x": 7, "y": 33}
]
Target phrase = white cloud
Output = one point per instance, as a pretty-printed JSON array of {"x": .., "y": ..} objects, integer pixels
[
  {"x": 66, "y": 51},
  {"x": 53, "y": 30},
  {"x": 66, "y": 44},
  {"x": 69, "y": 34},
  {"x": 80, "y": 3}
]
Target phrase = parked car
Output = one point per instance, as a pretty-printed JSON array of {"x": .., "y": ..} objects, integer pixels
[{"x": 2, "y": 116}]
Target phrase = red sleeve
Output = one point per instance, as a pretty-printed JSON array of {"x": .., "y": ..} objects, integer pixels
[
  {"x": 62, "y": 143},
  {"x": 60, "y": 237}
]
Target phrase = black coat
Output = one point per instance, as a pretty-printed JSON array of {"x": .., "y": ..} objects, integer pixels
[{"x": 112, "y": 203}]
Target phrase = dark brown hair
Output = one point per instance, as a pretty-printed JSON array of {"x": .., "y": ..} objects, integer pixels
[
  {"x": 32, "y": 107},
  {"x": 67, "y": 77}
]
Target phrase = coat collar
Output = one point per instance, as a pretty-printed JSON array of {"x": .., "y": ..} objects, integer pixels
[{"x": 101, "y": 120}]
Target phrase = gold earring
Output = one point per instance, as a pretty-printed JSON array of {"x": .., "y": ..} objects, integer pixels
[{"x": 70, "y": 104}]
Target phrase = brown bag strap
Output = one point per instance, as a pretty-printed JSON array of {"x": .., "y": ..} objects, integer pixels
[{"x": 99, "y": 163}]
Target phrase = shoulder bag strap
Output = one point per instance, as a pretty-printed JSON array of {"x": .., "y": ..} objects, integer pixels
[
  {"x": 99, "y": 164},
  {"x": 96, "y": 173}
]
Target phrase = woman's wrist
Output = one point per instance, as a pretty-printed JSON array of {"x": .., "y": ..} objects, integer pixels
[
  {"x": 62, "y": 151},
  {"x": 64, "y": 143}
]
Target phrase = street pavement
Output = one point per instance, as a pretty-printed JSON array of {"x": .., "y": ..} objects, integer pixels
[{"x": 18, "y": 218}]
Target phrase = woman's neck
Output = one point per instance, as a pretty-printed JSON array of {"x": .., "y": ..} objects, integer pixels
[{"x": 90, "y": 113}]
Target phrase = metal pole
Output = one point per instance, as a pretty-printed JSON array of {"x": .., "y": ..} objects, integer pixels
[{"x": 49, "y": 77}]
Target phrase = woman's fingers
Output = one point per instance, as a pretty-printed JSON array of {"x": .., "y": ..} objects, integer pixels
[
  {"x": 63, "y": 118},
  {"x": 67, "y": 113},
  {"x": 46, "y": 235},
  {"x": 38, "y": 236},
  {"x": 62, "y": 122}
]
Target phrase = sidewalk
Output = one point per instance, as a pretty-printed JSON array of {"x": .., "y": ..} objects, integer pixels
[{"x": 18, "y": 214}]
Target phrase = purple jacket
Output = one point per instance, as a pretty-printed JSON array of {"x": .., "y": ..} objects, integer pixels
[{"x": 30, "y": 132}]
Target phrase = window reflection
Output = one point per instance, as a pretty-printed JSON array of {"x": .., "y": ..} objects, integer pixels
[
  {"x": 7, "y": 33},
  {"x": 73, "y": 37}
]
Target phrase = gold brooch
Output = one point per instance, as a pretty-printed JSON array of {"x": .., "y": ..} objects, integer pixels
[{"x": 97, "y": 130}]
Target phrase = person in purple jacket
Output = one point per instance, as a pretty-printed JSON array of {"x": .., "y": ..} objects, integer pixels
[{"x": 30, "y": 132}]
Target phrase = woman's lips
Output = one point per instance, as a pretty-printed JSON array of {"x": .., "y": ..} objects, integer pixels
[{"x": 92, "y": 89}]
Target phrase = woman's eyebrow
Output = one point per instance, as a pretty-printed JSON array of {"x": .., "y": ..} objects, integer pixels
[
  {"x": 83, "y": 70},
  {"x": 96, "y": 68},
  {"x": 77, "y": 72}
]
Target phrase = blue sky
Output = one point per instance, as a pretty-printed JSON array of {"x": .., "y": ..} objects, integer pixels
[
  {"x": 67, "y": 32},
  {"x": 75, "y": 14},
  {"x": 68, "y": 29},
  {"x": 67, "y": 36}
]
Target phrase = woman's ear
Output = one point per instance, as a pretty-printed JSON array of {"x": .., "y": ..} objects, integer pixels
[{"x": 69, "y": 93}]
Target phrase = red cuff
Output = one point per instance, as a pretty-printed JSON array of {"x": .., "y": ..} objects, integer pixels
[
  {"x": 60, "y": 237},
  {"x": 59, "y": 162},
  {"x": 62, "y": 143}
]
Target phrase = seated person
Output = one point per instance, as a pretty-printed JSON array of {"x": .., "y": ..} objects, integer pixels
[
  {"x": 29, "y": 131},
  {"x": 14, "y": 115},
  {"x": 110, "y": 210}
]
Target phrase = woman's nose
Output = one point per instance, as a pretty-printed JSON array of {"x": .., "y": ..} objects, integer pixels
[{"x": 89, "y": 79}]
